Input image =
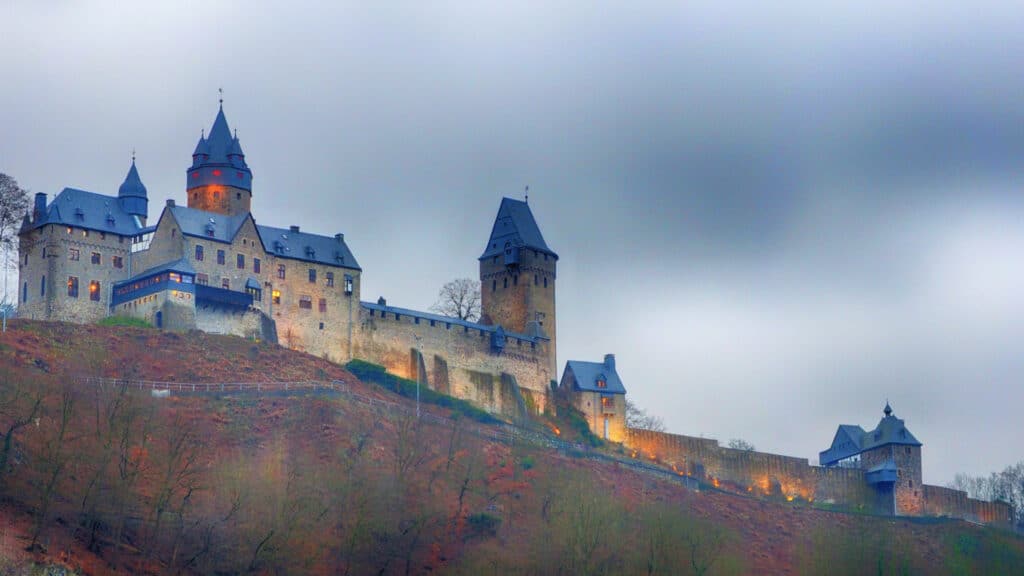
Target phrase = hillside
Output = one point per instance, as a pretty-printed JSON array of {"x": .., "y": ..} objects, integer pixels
[{"x": 111, "y": 480}]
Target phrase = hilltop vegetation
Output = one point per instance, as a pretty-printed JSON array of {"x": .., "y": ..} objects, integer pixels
[{"x": 106, "y": 478}]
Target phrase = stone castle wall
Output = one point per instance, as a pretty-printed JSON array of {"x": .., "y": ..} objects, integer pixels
[
  {"x": 85, "y": 255},
  {"x": 752, "y": 472},
  {"x": 939, "y": 501},
  {"x": 458, "y": 361},
  {"x": 775, "y": 475}
]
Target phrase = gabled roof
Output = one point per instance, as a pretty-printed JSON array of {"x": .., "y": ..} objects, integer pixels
[
  {"x": 515, "y": 224},
  {"x": 587, "y": 374},
  {"x": 82, "y": 209},
  {"x": 288, "y": 243},
  {"x": 208, "y": 225},
  {"x": 852, "y": 440}
]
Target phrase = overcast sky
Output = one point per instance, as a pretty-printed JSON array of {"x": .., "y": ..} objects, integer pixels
[{"x": 777, "y": 218}]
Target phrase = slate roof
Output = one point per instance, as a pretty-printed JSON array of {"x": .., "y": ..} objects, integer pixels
[
  {"x": 587, "y": 374},
  {"x": 132, "y": 185},
  {"x": 515, "y": 223},
  {"x": 200, "y": 223},
  {"x": 851, "y": 440},
  {"x": 286, "y": 243},
  {"x": 83, "y": 209},
  {"x": 448, "y": 319}
]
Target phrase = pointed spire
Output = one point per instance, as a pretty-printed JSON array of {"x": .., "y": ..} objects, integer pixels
[
  {"x": 132, "y": 193},
  {"x": 888, "y": 409}
]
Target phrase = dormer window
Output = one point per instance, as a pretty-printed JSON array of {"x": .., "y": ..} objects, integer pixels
[
  {"x": 79, "y": 214},
  {"x": 601, "y": 381}
]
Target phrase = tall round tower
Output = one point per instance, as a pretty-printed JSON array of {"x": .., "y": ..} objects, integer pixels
[{"x": 219, "y": 179}]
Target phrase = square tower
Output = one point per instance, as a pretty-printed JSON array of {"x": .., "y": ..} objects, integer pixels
[{"x": 517, "y": 276}]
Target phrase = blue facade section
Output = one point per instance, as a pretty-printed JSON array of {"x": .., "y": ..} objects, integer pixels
[
  {"x": 221, "y": 296},
  {"x": 146, "y": 285}
]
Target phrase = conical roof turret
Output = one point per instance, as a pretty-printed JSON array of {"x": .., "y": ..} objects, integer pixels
[
  {"x": 218, "y": 158},
  {"x": 132, "y": 193}
]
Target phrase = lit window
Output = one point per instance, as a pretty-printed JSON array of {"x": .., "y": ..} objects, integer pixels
[
  {"x": 175, "y": 277},
  {"x": 95, "y": 258},
  {"x": 306, "y": 302},
  {"x": 118, "y": 261},
  {"x": 329, "y": 278},
  {"x": 240, "y": 261},
  {"x": 280, "y": 271},
  {"x": 312, "y": 275},
  {"x": 73, "y": 254},
  {"x": 322, "y": 305},
  {"x": 276, "y": 296},
  {"x": 73, "y": 286},
  {"x": 199, "y": 252},
  {"x": 220, "y": 257},
  {"x": 94, "y": 291},
  {"x": 606, "y": 402},
  {"x": 69, "y": 229},
  {"x": 256, "y": 265},
  {"x": 85, "y": 233},
  {"x": 601, "y": 383}
]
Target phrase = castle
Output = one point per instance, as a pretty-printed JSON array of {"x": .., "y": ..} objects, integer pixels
[{"x": 210, "y": 266}]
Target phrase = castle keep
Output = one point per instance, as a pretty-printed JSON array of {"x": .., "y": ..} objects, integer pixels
[{"x": 210, "y": 266}]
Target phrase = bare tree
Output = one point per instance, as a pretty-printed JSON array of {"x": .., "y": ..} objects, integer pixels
[
  {"x": 13, "y": 205},
  {"x": 638, "y": 419},
  {"x": 741, "y": 444},
  {"x": 460, "y": 299}
]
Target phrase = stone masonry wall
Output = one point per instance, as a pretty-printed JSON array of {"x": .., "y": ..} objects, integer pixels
[
  {"x": 939, "y": 501},
  {"x": 515, "y": 297},
  {"x": 86, "y": 255},
  {"x": 457, "y": 361},
  {"x": 907, "y": 492},
  {"x": 748, "y": 471}
]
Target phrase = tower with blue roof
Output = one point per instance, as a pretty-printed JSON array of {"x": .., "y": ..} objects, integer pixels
[
  {"x": 219, "y": 180},
  {"x": 132, "y": 195},
  {"x": 517, "y": 276}
]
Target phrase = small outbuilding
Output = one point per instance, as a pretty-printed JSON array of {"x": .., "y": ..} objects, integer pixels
[{"x": 596, "y": 390}]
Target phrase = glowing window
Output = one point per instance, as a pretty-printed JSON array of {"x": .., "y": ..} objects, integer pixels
[
  {"x": 73, "y": 286},
  {"x": 276, "y": 296},
  {"x": 94, "y": 291}
]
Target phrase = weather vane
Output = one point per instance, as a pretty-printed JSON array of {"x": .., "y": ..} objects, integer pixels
[
  {"x": 527, "y": 193},
  {"x": 221, "y": 92},
  {"x": 133, "y": 155}
]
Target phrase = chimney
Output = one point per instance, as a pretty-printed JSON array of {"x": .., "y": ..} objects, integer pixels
[
  {"x": 294, "y": 229},
  {"x": 40, "y": 207},
  {"x": 170, "y": 202},
  {"x": 381, "y": 301},
  {"x": 339, "y": 237},
  {"x": 609, "y": 361}
]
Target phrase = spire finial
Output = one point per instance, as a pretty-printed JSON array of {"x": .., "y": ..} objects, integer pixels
[
  {"x": 888, "y": 409},
  {"x": 202, "y": 133},
  {"x": 133, "y": 155},
  {"x": 527, "y": 193},
  {"x": 236, "y": 133},
  {"x": 221, "y": 98}
]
